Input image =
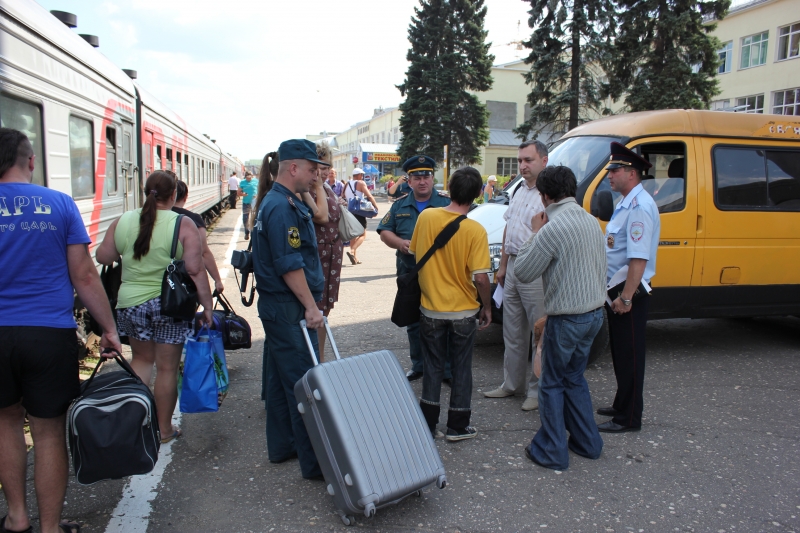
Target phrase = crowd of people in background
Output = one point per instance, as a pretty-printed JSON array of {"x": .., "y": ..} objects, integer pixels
[{"x": 555, "y": 263}]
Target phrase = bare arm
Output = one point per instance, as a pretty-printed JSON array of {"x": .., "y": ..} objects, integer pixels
[
  {"x": 393, "y": 188},
  {"x": 296, "y": 280},
  {"x": 321, "y": 216},
  {"x": 391, "y": 240},
  {"x": 209, "y": 261},
  {"x": 484, "y": 292},
  {"x": 363, "y": 188},
  {"x": 193, "y": 260},
  {"x": 107, "y": 252},
  {"x": 84, "y": 277},
  {"x": 635, "y": 272},
  {"x": 501, "y": 270}
]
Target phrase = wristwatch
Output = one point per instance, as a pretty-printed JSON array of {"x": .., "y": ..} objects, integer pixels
[{"x": 625, "y": 302}]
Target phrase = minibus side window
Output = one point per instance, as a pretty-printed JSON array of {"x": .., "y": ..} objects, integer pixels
[{"x": 757, "y": 178}]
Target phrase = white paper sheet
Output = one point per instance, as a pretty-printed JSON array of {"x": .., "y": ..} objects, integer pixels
[
  {"x": 498, "y": 295},
  {"x": 619, "y": 277}
]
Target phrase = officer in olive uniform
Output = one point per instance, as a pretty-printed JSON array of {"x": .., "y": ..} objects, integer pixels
[
  {"x": 632, "y": 241},
  {"x": 290, "y": 282},
  {"x": 396, "y": 229}
]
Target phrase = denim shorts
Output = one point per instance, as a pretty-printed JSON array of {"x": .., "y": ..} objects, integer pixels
[{"x": 144, "y": 322}]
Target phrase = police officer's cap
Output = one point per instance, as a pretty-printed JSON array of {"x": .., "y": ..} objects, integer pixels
[
  {"x": 299, "y": 149},
  {"x": 621, "y": 157},
  {"x": 419, "y": 163}
]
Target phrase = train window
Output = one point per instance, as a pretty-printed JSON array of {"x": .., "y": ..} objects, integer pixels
[
  {"x": 169, "y": 159},
  {"x": 158, "y": 157},
  {"x": 111, "y": 161},
  {"x": 126, "y": 147},
  {"x": 81, "y": 157},
  {"x": 192, "y": 174},
  {"x": 27, "y": 118},
  {"x": 202, "y": 171},
  {"x": 148, "y": 153},
  {"x": 178, "y": 167},
  {"x": 186, "y": 170}
]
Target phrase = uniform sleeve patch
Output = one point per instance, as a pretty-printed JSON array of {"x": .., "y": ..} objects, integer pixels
[
  {"x": 294, "y": 237},
  {"x": 637, "y": 231},
  {"x": 385, "y": 219}
]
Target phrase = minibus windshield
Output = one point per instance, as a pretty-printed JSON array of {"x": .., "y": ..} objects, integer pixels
[{"x": 583, "y": 155}]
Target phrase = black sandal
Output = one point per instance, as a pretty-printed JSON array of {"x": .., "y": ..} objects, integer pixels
[
  {"x": 4, "y": 530},
  {"x": 70, "y": 527}
]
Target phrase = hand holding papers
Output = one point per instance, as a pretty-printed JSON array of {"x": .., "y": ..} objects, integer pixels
[
  {"x": 617, "y": 283},
  {"x": 498, "y": 296}
]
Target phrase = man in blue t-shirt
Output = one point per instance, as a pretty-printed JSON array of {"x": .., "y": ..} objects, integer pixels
[
  {"x": 248, "y": 188},
  {"x": 45, "y": 259}
]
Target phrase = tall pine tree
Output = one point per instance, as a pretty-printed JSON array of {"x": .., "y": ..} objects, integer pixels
[
  {"x": 664, "y": 57},
  {"x": 566, "y": 46},
  {"x": 449, "y": 56}
]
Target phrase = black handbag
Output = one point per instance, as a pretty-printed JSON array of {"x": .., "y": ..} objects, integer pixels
[
  {"x": 409, "y": 294},
  {"x": 235, "y": 329},
  {"x": 242, "y": 260},
  {"x": 113, "y": 426},
  {"x": 111, "y": 278},
  {"x": 178, "y": 291}
]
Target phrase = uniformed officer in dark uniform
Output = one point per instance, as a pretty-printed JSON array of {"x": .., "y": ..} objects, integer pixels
[
  {"x": 290, "y": 282},
  {"x": 396, "y": 229},
  {"x": 632, "y": 242}
]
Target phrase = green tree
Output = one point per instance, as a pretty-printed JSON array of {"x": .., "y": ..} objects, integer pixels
[
  {"x": 448, "y": 57},
  {"x": 567, "y": 46},
  {"x": 664, "y": 56}
]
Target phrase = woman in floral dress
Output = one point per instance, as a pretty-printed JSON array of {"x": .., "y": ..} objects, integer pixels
[{"x": 329, "y": 244}]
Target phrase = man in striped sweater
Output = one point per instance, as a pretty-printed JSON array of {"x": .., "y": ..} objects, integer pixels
[{"x": 567, "y": 251}]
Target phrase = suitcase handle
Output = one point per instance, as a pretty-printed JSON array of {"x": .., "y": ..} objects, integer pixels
[{"x": 304, "y": 327}]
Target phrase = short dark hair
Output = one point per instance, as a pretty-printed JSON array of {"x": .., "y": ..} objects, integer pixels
[
  {"x": 15, "y": 149},
  {"x": 183, "y": 191},
  {"x": 557, "y": 182},
  {"x": 465, "y": 185},
  {"x": 541, "y": 148}
]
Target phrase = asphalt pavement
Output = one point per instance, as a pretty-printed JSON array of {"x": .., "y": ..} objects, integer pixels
[{"x": 719, "y": 450}]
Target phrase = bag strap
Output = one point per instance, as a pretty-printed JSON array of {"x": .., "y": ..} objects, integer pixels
[
  {"x": 121, "y": 361},
  {"x": 175, "y": 235},
  {"x": 443, "y": 238}
]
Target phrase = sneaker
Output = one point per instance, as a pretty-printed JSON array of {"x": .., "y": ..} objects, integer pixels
[
  {"x": 468, "y": 433},
  {"x": 499, "y": 392},
  {"x": 438, "y": 434},
  {"x": 531, "y": 403}
]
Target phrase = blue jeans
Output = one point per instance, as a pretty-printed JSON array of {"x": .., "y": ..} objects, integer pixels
[
  {"x": 442, "y": 341},
  {"x": 564, "y": 400},
  {"x": 246, "y": 217}
]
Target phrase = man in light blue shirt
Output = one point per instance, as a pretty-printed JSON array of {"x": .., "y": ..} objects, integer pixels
[
  {"x": 632, "y": 242},
  {"x": 249, "y": 187}
]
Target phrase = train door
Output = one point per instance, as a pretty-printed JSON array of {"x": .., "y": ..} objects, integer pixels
[
  {"x": 148, "y": 152},
  {"x": 128, "y": 168}
]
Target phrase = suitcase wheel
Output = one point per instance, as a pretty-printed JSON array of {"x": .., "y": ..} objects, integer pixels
[
  {"x": 441, "y": 482},
  {"x": 348, "y": 520},
  {"x": 369, "y": 510},
  {"x": 418, "y": 493}
]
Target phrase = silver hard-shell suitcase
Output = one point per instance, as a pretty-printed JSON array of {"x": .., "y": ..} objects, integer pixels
[{"x": 367, "y": 430}]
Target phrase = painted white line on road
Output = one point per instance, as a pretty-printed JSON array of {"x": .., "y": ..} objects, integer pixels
[{"x": 132, "y": 514}]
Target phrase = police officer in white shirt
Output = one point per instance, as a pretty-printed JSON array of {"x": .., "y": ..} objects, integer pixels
[
  {"x": 523, "y": 303},
  {"x": 631, "y": 240}
]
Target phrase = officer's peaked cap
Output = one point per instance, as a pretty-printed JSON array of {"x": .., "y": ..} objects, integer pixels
[
  {"x": 419, "y": 163},
  {"x": 622, "y": 157}
]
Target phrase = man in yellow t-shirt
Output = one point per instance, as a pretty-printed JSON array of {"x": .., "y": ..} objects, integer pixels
[{"x": 451, "y": 282}]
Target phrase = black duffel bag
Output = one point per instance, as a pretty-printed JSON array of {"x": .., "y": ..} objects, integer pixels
[
  {"x": 113, "y": 426},
  {"x": 235, "y": 330},
  {"x": 407, "y": 300}
]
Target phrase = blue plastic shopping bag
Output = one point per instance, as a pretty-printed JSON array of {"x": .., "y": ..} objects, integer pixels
[{"x": 199, "y": 383}]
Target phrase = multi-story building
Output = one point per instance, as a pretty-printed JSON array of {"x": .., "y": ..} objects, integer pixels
[{"x": 760, "y": 58}]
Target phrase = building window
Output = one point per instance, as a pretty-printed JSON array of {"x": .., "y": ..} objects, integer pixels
[
  {"x": 507, "y": 166},
  {"x": 789, "y": 41},
  {"x": 720, "y": 105},
  {"x": 754, "y": 50},
  {"x": 725, "y": 58},
  {"x": 27, "y": 118},
  {"x": 751, "y": 104},
  {"x": 81, "y": 157},
  {"x": 787, "y": 102}
]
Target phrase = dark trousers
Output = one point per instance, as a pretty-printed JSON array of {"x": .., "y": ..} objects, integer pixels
[
  {"x": 627, "y": 335},
  {"x": 287, "y": 360},
  {"x": 232, "y": 198},
  {"x": 564, "y": 400},
  {"x": 443, "y": 341}
]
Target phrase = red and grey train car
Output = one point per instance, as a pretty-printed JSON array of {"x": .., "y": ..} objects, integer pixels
[{"x": 96, "y": 134}]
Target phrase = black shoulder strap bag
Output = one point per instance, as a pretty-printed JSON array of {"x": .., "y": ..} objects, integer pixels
[
  {"x": 178, "y": 291},
  {"x": 409, "y": 295}
]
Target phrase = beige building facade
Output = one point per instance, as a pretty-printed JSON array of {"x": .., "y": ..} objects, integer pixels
[{"x": 760, "y": 58}]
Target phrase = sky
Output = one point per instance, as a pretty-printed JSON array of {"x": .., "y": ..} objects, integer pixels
[{"x": 252, "y": 73}]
